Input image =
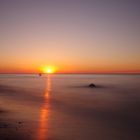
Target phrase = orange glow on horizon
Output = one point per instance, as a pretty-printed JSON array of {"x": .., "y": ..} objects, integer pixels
[{"x": 31, "y": 69}]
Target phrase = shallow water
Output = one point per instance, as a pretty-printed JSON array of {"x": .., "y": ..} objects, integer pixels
[{"x": 63, "y": 107}]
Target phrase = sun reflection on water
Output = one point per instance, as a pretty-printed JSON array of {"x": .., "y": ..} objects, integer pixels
[{"x": 44, "y": 112}]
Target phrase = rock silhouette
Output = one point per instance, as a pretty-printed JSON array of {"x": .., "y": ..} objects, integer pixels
[{"x": 92, "y": 85}]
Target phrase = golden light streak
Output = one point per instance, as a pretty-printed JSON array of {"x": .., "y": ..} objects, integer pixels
[{"x": 44, "y": 113}]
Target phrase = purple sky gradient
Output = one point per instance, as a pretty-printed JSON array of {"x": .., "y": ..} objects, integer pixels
[{"x": 84, "y": 35}]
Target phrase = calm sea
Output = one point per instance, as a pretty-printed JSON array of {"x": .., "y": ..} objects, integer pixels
[{"x": 63, "y": 107}]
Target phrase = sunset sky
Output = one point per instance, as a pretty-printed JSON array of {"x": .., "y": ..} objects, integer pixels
[{"x": 74, "y": 36}]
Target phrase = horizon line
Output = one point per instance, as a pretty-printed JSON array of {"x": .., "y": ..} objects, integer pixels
[{"x": 129, "y": 73}]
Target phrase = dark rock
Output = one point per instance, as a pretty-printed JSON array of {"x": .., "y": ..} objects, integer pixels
[
  {"x": 92, "y": 85},
  {"x": 19, "y": 122}
]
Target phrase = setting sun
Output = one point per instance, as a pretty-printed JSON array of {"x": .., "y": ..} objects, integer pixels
[{"x": 48, "y": 70}]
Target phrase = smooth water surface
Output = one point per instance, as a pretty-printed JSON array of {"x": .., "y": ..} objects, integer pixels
[{"x": 63, "y": 107}]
